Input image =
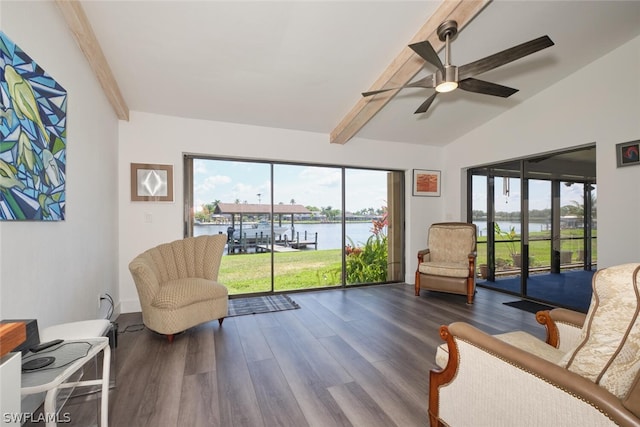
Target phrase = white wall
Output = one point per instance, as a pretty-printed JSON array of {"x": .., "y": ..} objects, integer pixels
[
  {"x": 581, "y": 109},
  {"x": 54, "y": 271},
  {"x": 601, "y": 104},
  {"x": 149, "y": 138}
]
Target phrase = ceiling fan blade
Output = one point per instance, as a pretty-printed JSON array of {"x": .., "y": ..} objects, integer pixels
[
  {"x": 425, "y": 82},
  {"x": 428, "y": 53},
  {"x": 486, "y": 88},
  {"x": 375, "y": 92},
  {"x": 426, "y": 104},
  {"x": 501, "y": 58}
]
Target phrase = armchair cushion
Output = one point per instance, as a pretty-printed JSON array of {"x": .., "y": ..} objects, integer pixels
[
  {"x": 443, "y": 268},
  {"x": 608, "y": 347},
  {"x": 190, "y": 290}
]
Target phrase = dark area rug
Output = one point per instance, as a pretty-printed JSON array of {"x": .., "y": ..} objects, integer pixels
[
  {"x": 530, "y": 306},
  {"x": 263, "y": 304},
  {"x": 569, "y": 289}
]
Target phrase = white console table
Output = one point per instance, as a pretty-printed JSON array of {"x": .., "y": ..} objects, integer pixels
[
  {"x": 70, "y": 357},
  {"x": 10, "y": 389}
]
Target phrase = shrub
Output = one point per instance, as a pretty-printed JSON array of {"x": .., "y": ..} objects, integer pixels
[{"x": 368, "y": 264}]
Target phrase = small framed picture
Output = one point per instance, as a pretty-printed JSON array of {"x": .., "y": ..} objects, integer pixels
[
  {"x": 151, "y": 183},
  {"x": 426, "y": 183},
  {"x": 627, "y": 153}
]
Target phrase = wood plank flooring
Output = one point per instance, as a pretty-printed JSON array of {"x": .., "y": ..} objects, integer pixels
[{"x": 354, "y": 357}]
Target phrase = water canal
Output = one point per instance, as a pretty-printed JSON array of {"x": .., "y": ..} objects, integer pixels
[{"x": 329, "y": 234}]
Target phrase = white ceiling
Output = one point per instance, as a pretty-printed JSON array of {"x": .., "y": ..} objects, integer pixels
[{"x": 303, "y": 64}]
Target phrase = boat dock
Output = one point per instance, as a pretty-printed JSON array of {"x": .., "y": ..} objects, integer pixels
[
  {"x": 276, "y": 248},
  {"x": 262, "y": 243},
  {"x": 302, "y": 244}
]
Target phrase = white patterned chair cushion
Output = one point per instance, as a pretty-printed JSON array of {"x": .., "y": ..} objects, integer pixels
[{"x": 608, "y": 350}]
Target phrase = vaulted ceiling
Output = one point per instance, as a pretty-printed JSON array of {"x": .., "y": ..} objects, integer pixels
[{"x": 303, "y": 64}]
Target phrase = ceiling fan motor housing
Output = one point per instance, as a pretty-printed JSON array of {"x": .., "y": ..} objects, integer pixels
[{"x": 450, "y": 76}]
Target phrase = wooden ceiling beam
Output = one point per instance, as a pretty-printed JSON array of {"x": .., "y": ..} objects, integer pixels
[
  {"x": 405, "y": 66},
  {"x": 83, "y": 33}
]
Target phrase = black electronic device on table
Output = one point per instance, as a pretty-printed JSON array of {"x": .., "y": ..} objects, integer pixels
[
  {"x": 35, "y": 363},
  {"x": 38, "y": 363},
  {"x": 45, "y": 345}
]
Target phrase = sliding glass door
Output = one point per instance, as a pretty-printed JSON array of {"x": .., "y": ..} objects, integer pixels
[
  {"x": 536, "y": 221},
  {"x": 294, "y": 227}
]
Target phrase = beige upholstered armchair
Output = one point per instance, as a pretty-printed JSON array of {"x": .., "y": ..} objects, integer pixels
[
  {"x": 448, "y": 263},
  {"x": 587, "y": 373},
  {"x": 177, "y": 284}
]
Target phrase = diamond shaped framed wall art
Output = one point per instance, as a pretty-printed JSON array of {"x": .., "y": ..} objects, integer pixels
[
  {"x": 151, "y": 183},
  {"x": 33, "y": 138}
]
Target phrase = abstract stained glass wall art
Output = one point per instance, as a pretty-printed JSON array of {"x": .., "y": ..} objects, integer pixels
[{"x": 33, "y": 123}]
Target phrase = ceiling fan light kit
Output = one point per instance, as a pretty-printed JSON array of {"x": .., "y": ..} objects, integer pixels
[
  {"x": 449, "y": 81},
  {"x": 449, "y": 77}
]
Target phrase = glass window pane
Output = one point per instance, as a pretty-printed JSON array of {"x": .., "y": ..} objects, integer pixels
[
  {"x": 244, "y": 189},
  {"x": 312, "y": 255},
  {"x": 571, "y": 224},
  {"x": 507, "y": 230},
  {"x": 479, "y": 218},
  {"x": 366, "y": 226},
  {"x": 539, "y": 225},
  {"x": 296, "y": 239}
]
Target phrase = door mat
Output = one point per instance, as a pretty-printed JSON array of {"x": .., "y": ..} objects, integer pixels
[
  {"x": 530, "y": 306},
  {"x": 262, "y": 304}
]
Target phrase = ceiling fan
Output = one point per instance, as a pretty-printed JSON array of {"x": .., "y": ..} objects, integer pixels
[{"x": 450, "y": 77}]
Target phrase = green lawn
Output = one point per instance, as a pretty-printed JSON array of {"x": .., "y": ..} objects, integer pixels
[
  {"x": 539, "y": 247},
  {"x": 249, "y": 273}
]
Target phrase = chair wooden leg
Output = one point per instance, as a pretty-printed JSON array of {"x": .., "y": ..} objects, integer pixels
[
  {"x": 417, "y": 286},
  {"x": 220, "y": 321},
  {"x": 170, "y": 337},
  {"x": 470, "y": 290}
]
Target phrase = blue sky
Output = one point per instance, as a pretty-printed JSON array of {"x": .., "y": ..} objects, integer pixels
[
  {"x": 319, "y": 186},
  {"x": 307, "y": 185}
]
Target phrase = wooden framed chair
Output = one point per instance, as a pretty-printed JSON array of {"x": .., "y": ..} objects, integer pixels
[
  {"x": 449, "y": 262},
  {"x": 586, "y": 372}
]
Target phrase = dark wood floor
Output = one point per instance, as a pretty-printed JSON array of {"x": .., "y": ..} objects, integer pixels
[{"x": 355, "y": 357}]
